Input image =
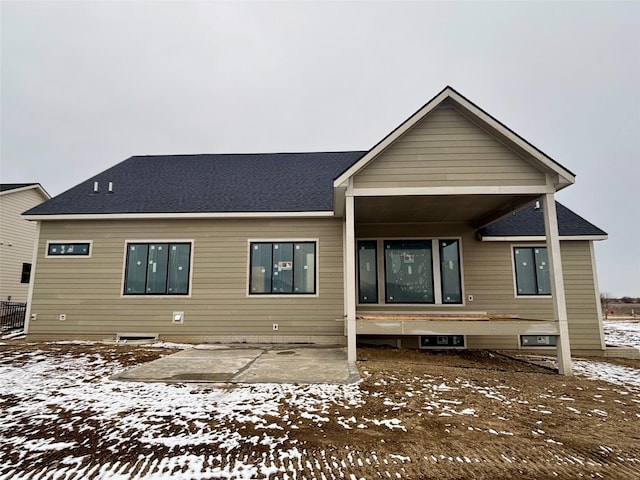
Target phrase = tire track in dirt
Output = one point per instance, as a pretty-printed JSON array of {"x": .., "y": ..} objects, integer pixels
[{"x": 419, "y": 417}]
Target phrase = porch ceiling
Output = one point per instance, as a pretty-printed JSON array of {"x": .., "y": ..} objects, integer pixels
[{"x": 476, "y": 210}]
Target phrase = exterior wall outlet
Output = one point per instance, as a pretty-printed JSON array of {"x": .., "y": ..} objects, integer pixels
[
  {"x": 34, "y": 316},
  {"x": 178, "y": 318},
  {"x": 470, "y": 298},
  {"x": 275, "y": 326},
  {"x": 62, "y": 317}
]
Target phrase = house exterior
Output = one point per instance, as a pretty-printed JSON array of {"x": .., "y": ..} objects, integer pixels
[
  {"x": 17, "y": 238},
  {"x": 446, "y": 234}
]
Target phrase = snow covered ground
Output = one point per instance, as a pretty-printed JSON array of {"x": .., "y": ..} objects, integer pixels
[
  {"x": 154, "y": 417},
  {"x": 622, "y": 332},
  {"x": 63, "y": 419}
]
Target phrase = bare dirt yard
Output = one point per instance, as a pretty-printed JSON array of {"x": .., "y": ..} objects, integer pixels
[{"x": 415, "y": 415}]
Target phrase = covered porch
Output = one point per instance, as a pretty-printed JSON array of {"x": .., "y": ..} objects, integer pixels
[
  {"x": 421, "y": 195},
  {"x": 435, "y": 220}
]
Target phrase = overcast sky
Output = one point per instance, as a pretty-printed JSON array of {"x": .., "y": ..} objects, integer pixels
[{"x": 85, "y": 85}]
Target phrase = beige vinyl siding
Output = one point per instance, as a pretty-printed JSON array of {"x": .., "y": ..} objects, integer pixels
[
  {"x": 582, "y": 299},
  {"x": 89, "y": 290},
  {"x": 488, "y": 276},
  {"x": 447, "y": 149},
  {"x": 17, "y": 237}
]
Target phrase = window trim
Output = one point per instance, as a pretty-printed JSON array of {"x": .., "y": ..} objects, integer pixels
[
  {"x": 73, "y": 242},
  {"x": 437, "y": 280},
  {"x": 316, "y": 294},
  {"x": 156, "y": 295},
  {"x": 512, "y": 248}
]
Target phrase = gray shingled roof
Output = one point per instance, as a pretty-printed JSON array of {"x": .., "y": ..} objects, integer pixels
[
  {"x": 273, "y": 182},
  {"x": 529, "y": 222},
  {"x": 4, "y": 187}
]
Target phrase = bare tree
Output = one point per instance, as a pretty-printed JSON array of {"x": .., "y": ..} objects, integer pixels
[{"x": 605, "y": 303}]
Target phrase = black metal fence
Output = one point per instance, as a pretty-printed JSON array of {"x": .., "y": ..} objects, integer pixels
[{"x": 12, "y": 315}]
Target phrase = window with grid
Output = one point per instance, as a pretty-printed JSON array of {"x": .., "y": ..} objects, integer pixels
[
  {"x": 282, "y": 268},
  {"x": 157, "y": 268},
  {"x": 532, "y": 271}
]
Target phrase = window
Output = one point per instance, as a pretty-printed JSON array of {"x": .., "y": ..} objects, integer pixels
[
  {"x": 532, "y": 271},
  {"x": 68, "y": 249},
  {"x": 450, "y": 271},
  {"x": 442, "y": 341},
  {"x": 538, "y": 340},
  {"x": 157, "y": 269},
  {"x": 408, "y": 267},
  {"x": 26, "y": 273},
  {"x": 415, "y": 271},
  {"x": 367, "y": 271},
  {"x": 282, "y": 268}
]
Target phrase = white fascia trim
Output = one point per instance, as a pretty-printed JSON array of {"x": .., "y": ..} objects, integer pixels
[
  {"x": 543, "y": 238},
  {"x": 478, "y": 113},
  {"x": 546, "y": 161},
  {"x": 473, "y": 190},
  {"x": 393, "y": 136},
  {"x": 164, "y": 216},
  {"x": 36, "y": 186}
]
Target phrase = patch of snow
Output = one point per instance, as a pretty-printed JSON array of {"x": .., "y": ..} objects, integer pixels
[
  {"x": 402, "y": 458},
  {"x": 203, "y": 346},
  {"x": 554, "y": 442},
  {"x": 50, "y": 387},
  {"x": 176, "y": 346},
  {"x": 622, "y": 333},
  {"x": 389, "y": 423},
  {"x": 608, "y": 372},
  {"x": 13, "y": 336}
]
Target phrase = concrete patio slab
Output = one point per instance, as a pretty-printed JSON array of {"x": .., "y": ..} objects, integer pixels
[{"x": 248, "y": 364}]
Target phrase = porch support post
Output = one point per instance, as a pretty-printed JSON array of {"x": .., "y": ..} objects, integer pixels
[
  {"x": 350, "y": 274},
  {"x": 557, "y": 283}
]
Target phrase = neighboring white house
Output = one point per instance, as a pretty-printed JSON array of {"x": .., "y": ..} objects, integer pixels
[{"x": 17, "y": 238}]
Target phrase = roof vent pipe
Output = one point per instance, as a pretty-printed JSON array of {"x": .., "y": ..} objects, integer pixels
[
  {"x": 110, "y": 187},
  {"x": 95, "y": 187},
  {"x": 537, "y": 207}
]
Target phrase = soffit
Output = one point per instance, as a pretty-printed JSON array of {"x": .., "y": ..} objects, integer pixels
[{"x": 475, "y": 210}]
